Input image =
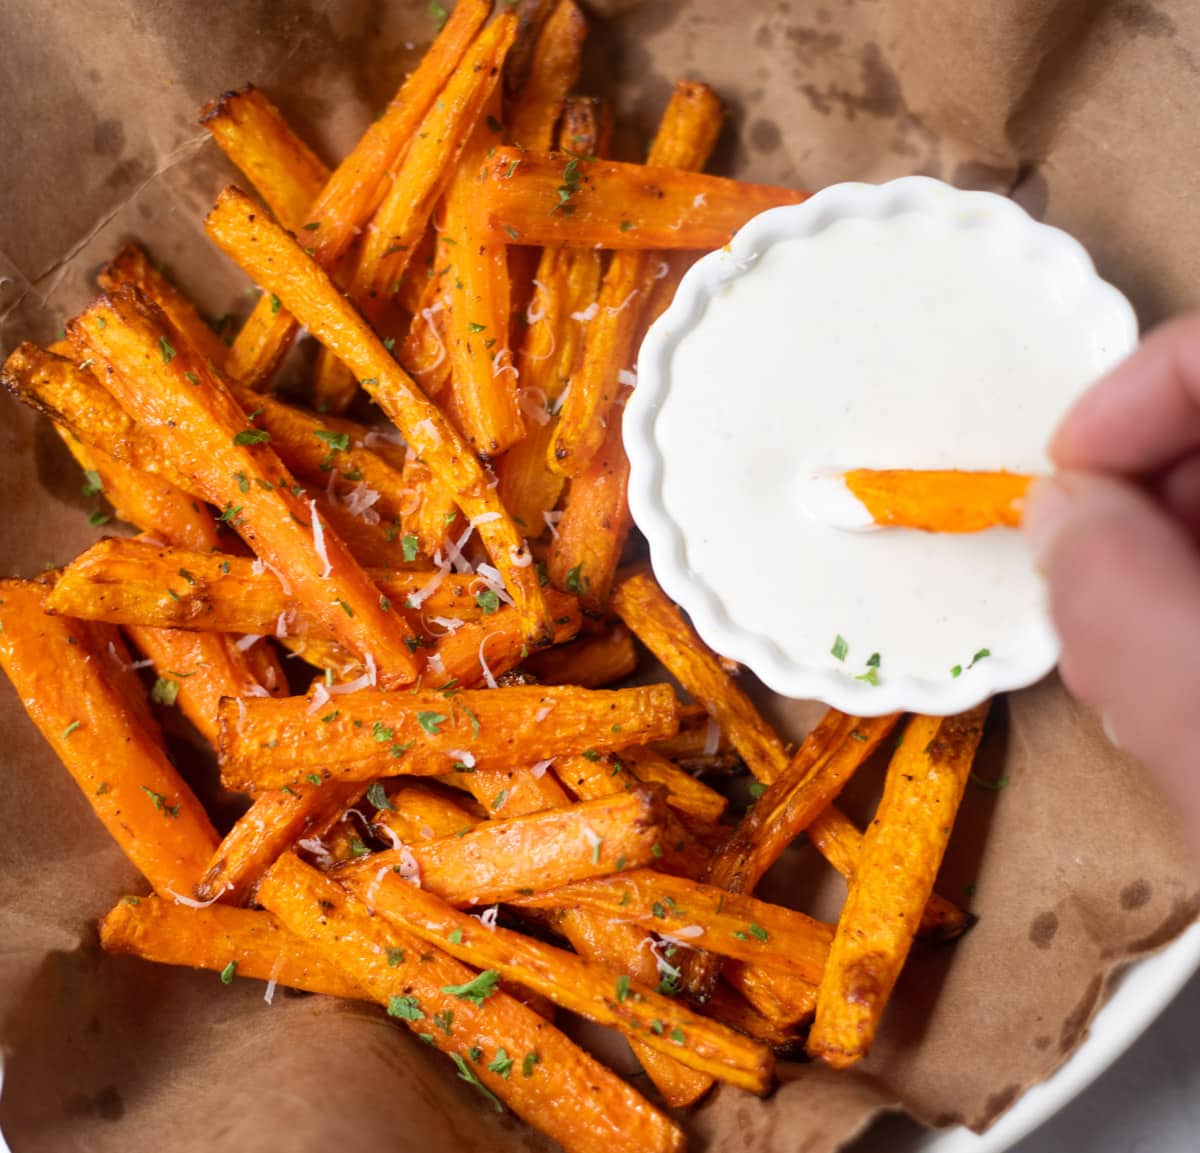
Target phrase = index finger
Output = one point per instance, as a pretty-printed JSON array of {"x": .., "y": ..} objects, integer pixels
[{"x": 1143, "y": 415}]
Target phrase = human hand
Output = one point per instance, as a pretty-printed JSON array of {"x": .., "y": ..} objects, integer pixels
[{"x": 1117, "y": 534}]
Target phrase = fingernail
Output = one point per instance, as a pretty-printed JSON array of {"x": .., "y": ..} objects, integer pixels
[{"x": 1046, "y": 506}]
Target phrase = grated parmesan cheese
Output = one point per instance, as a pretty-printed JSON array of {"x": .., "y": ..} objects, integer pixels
[
  {"x": 320, "y": 697},
  {"x": 588, "y": 313},
  {"x": 319, "y": 538}
]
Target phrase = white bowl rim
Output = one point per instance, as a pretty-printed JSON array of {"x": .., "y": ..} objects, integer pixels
[{"x": 1064, "y": 257}]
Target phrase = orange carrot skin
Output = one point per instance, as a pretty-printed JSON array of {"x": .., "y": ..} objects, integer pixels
[
  {"x": 659, "y": 207},
  {"x": 940, "y": 500},
  {"x": 594, "y": 661},
  {"x": 567, "y": 1094},
  {"x": 121, "y": 766},
  {"x": 158, "y": 929},
  {"x": 187, "y": 406},
  {"x": 355, "y": 190},
  {"x": 900, "y": 857}
]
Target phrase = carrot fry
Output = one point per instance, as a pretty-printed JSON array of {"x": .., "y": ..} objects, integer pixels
[
  {"x": 354, "y": 190},
  {"x": 148, "y": 502},
  {"x": 553, "y": 71},
  {"x": 195, "y": 671},
  {"x": 616, "y": 205},
  {"x": 417, "y": 813},
  {"x": 132, "y": 266},
  {"x": 82, "y": 710},
  {"x": 519, "y": 791},
  {"x": 625, "y": 948},
  {"x": 785, "y": 999},
  {"x": 422, "y": 176},
  {"x": 686, "y": 135},
  {"x": 253, "y": 942},
  {"x": 565, "y": 289},
  {"x": 272, "y": 257},
  {"x": 700, "y": 916},
  {"x": 253, "y": 133},
  {"x": 901, "y": 854},
  {"x": 274, "y": 822},
  {"x": 572, "y": 983},
  {"x": 191, "y": 411},
  {"x": 940, "y": 500},
  {"x": 595, "y": 522},
  {"x": 660, "y": 626},
  {"x": 424, "y": 732},
  {"x": 826, "y": 760},
  {"x": 423, "y": 351},
  {"x": 699, "y": 736},
  {"x": 498, "y": 859},
  {"x": 684, "y": 792},
  {"x": 593, "y": 661},
  {"x": 481, "y": 361},
  {"x": 730, "y": 1008},
  {"x": 418, "y": 985}
]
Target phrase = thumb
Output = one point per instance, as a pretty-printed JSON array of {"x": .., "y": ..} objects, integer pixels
[{"x": 1124, "y": 583}]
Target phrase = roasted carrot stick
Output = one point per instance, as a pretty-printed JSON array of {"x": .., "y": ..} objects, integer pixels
[
  {"x": 132, "y": 266},
  {"x": 516, "y": 791},
  {"x": 419, "y": 984},
  {"x": 699, "y": 736},
  {"x": 424, "y": 173},
  {"x": 594, "y": 661},
  {"x": 415, "y": 813},
  {"x": 700, "y": 916},
  {"x": 659, "y": 625},
  {"x": 565, "y": 290},
  {"x": 553, "y": 71},
  {"x": 275, "y": 742},
  {"x": 498, "y": 859},
  {"x": 253, "y": 133},
  {"x": 190, "y": 410},
  {"x": 729, "y": 1007},
  {"x": 271, "y": 257},
  {"x": 595, "y": 523},
  {"x": 684, "y": 792},
  {"x": 825, "y": 761},
  {"x": 276, "y": 820},
  {"x": 939, "y": 500},
  {"x": 901, "y": 854},
  {"x": 83, "y": 711},
  {"x": 242, "y": 942},
  {"x": 686, "y": 135},
  {"x": 423, "y": 351},
  {"x": 616, "y": 205},
  {"x": 581, "y": 986},
  {"x": 354, "y": 190}
]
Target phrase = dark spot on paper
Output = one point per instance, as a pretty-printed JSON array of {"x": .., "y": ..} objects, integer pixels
[
  {"x": 93, "y": 74},
  {"x": 982, "y": 177},
  {"x": 824, "y": 16},
  {"x": 880, "y": 95},
  {"x": 128, "y": 173},
  {"x": 1182, "y": 914},
  {"x": 1076, "y": 1020},
  {"x": 1042, "y": 929},
  {"x": 105, "y": 1104},
  {"x": 808, "y": 43},
  {"x": 764, "y": 37},
  {"x": 108, "y": 138},
  {"x": 1143, "y": 19},
  {"x": 1042, "y": 1043},
  {"x": 1031, "y": 191},
  {"x": 765, "y": 135},
  {"x": 998, "y": 1102},
  {"x": 1134, "y": 896},
  {"x": 742, "y": 1118}
]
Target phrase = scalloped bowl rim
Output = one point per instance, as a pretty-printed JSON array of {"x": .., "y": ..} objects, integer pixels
[{"x": 788, "y": 675}]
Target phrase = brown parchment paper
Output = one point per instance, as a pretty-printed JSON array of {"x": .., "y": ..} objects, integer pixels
[{"x": 1081, "y": 109}]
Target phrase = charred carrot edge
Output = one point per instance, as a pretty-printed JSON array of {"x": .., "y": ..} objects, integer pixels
[
  {"x": 354, "y": 190},
  {"x": 616, "y": 205},
  {"x": 901, "y": 853},
  {"x": 256, "y": 137},
  {"x": 525, "y": 1061},
  {"x": 159, "y": 375},
  {"x": 120, "y": 765},
  {"x": 573, "y": 983},
  {"x": 275, "y": 260},
  {"x": 940, "y": 500},
  {"x": 594, "y": 661},
  {"x": 686, "y": 135},
  {"x": 553, "y": 71}
]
